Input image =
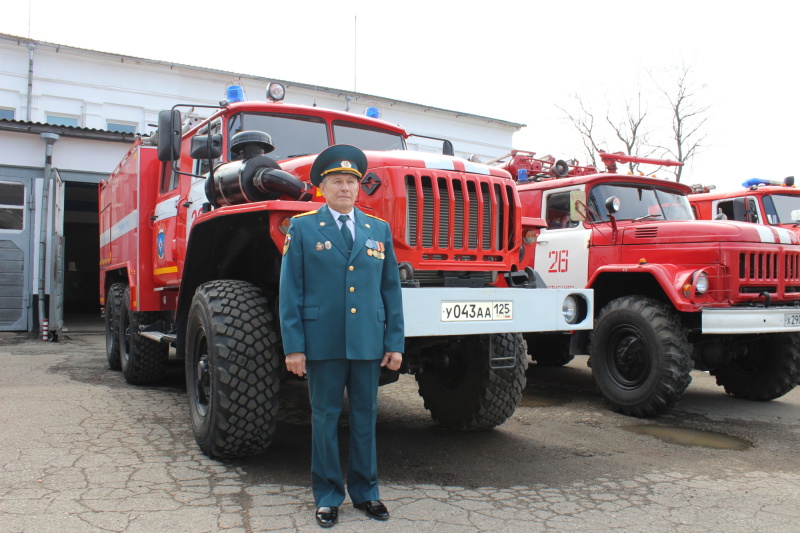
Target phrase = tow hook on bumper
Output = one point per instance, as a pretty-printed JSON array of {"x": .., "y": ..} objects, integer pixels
[{"x": 528, "y": 279}]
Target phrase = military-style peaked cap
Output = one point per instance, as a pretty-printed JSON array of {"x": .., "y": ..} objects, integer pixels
[{"x": 339, "y": 158}]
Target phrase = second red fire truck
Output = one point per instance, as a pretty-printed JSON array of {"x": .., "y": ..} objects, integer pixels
[{"x": 671, "y": 293}]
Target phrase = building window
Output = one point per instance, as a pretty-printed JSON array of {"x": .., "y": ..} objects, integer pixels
[
  {"x": 121, "y": 127},
  {"x": 61, "y": 120},
  {"x": 12, "y": 205},
  {"x": 7, "y": 114}
]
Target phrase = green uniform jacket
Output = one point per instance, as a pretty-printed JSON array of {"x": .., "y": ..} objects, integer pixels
[{"x": 339, "y": 306}]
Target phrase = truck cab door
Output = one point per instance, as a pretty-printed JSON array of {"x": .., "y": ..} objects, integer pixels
[
  {"x": 562, "y": 249},
  {"x": 164, "y": 222}
]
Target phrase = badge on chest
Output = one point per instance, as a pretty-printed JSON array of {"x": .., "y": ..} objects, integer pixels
[{"x": 375, "y": 249}]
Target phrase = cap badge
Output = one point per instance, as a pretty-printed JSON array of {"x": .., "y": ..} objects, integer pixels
[{"x": 347, "y": 164}]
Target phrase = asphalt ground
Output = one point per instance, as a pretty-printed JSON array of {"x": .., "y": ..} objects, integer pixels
[{"x": 82, "y": 451}]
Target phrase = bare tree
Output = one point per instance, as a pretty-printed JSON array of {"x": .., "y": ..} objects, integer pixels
[
  {"x": 583, "y": 121},
  {"x": 630, "y": 131},
  {"x": 627, "y": 127},
  {"x": 689, "y": 116},
  {"x": 625, "y": 123}
]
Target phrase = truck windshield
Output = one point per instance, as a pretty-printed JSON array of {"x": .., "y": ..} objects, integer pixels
[
  {"x": 781, "y": 207},
  {"x": 292, "y": 135},
  {"x": 297, "y": 135},
  {"x": 365, "y": 137},
  {"x": 640, "y": 203}
]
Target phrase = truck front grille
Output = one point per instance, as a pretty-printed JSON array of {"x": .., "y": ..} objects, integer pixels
[
  {"x": 460, "y": 214},
  {"x": 774, "y": 272},
  {"x": 760, "y": 266}
]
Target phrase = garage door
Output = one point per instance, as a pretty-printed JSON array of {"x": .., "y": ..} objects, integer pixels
[{"x": 14, "y": 254}]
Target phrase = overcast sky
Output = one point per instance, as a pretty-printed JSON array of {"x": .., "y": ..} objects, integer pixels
[{"x": 516, "y": 61}]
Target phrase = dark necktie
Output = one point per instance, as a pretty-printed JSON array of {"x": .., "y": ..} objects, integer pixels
[{"x": 348, "y": 237}]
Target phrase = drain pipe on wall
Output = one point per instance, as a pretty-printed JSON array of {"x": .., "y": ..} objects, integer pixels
[
  {"x": 31, "y": 48},
  {"x": 49, "y": 139}
]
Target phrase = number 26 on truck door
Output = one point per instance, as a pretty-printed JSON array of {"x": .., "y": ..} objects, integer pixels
[{"x": 559, "y": 260}]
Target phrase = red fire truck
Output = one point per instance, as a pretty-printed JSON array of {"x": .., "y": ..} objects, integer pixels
[
  {"x": 771, "y": 203},
  {"x": 671, "y": 293},
  {"x": 192, "y": 225}
]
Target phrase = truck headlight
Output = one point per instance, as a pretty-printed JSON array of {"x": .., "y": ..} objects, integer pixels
[
  {"x": 701, "y": 283},
  {"x": 698, "y": 285},
  {"x": 570, "y": 309},
  {"x": 529, "y": 236},
  {"x": 284, "y": 225}
]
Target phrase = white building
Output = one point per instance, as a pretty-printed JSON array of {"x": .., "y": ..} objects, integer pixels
[{"x": 96, "y": 103}]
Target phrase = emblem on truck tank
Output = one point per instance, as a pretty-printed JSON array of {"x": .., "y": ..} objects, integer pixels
[{"x": 160, "y": 243}]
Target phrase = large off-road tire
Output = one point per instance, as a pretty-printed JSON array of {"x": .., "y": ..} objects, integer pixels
[
  {"x": 143, "y": 361},
  {"x": 769, "y": 368},
  {"x": 640, "y": 356},
  {"x": 549, "y": 349},
  {"x": 463, "y": 392},
  {"x": 113, "y": 309},
  {"x": 233, "y": 369}
]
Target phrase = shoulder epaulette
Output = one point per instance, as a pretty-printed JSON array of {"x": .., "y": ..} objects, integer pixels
[
  {"x": 306, "y": 213},
  {"x": 376, "y": 218}
]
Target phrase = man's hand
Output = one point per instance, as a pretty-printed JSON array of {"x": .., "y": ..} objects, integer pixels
[
  {"x": 296, "y": 363},
  {"x": 392, "y": 360}
]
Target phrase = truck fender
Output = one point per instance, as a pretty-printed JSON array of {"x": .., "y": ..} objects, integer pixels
[{"x": 669, "y": 277}]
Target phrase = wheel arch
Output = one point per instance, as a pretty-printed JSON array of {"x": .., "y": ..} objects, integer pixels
[
  {"x": 119, "y": 275},
  {"x": 236, "y": 246},
  {"x": 609, "y": 286}
]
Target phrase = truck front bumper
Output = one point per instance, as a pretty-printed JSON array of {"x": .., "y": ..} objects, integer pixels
[
  {"x": 438, "y": 311},
  {"x": 737, "y": 320}
]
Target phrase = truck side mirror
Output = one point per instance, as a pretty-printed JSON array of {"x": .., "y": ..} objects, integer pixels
[
  {"x": 169, "y": 135},
  {"x": 739, "y": 210},
  {"x": 447, "y": 148},
  {"x": 206, "y": 146},
  {"x": 577, "y": 200}
]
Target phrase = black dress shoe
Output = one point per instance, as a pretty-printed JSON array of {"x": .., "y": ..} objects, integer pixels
[
  {"x": 373, "y": 509},
  {"x": 327, "y": 516}
]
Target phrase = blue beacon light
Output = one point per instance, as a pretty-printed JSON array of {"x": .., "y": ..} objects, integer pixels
[
  {"x": 373, "y": 112},
  {"x": 235, "y": 93},
  {"x": 522, "y": 175},
  {"x": 755, "y": 181}
]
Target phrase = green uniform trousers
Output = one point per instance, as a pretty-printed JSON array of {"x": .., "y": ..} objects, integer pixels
[{"x": 327, "y": 381}]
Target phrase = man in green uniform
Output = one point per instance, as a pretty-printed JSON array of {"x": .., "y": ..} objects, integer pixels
[{"x": 341, "y": 317}]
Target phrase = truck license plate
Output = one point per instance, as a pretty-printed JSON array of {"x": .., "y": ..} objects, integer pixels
[
  {"x": 468, "y": 311},
  {"x": 791, "y": 319}
]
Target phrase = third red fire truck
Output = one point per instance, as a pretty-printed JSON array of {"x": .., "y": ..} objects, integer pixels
[
  {"x": 671, "y": 293},
  {"x": 774, "y": 204}
]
